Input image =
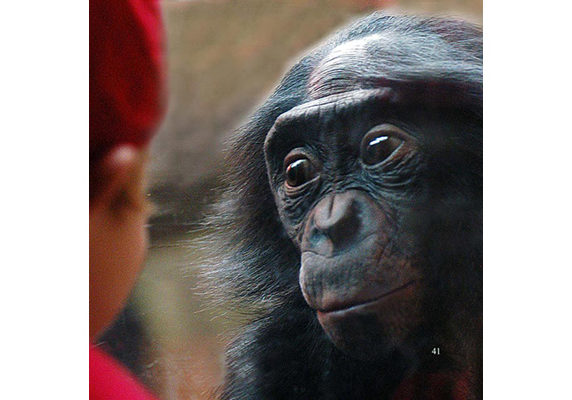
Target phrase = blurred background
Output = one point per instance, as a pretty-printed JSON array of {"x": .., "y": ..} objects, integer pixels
[{"x": 224, "y": 57}]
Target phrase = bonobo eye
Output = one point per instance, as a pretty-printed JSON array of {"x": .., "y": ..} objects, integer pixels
[
  {"x": 380, "y": 143},
  {"x": 299, "y": 170}
]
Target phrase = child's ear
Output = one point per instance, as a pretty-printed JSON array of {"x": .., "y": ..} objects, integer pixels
[{"x": 110, "y": 176}]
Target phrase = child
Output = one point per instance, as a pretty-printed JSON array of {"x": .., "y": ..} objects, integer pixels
[{"x": 124, "y": 109}]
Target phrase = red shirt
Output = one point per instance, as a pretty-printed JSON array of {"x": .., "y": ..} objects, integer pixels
[{"x": 108, "y": 380}]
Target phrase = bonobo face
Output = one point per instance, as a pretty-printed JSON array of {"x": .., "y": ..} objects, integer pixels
[
  {"x": 340, "y": 167},
  {"x": 347, "y": 174}
]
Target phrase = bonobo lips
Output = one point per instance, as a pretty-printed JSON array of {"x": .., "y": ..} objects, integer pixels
[{"x": 403, "y": 291}]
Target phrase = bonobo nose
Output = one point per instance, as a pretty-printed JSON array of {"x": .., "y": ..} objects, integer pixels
[{"x": 339, "y": 221}]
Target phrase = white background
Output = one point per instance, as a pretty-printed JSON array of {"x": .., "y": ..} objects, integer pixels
[{"x": 44, "y": 200}]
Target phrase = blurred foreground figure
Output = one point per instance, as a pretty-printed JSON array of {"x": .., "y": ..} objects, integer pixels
[{"x": 124, "y": 109}]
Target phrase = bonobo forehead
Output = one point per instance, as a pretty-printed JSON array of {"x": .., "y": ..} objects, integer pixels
[
  {"x": 320, "y": 117},
  {"x": 390, "y": 55}
]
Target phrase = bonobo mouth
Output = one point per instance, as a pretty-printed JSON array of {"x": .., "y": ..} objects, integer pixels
[
  {"x": 374, "y": 327},
  {"x": 405, "y": 291}
]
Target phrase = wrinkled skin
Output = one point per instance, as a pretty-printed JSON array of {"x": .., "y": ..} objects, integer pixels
[{"x": 363, "y": 239}]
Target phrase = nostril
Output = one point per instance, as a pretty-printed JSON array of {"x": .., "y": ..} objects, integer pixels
[
  {"x": 318, "y": 241},
  {"x": 337, "y": 219}
]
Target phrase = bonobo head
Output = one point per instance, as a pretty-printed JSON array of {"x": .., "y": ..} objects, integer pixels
[{"x": 372, "y": 147}]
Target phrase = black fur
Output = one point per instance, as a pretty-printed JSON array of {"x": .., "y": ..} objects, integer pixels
[{"x": 283, "y": 352}]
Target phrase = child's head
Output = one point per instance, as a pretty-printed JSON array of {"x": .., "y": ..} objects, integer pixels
[
  {"x": 125, "y": 107},
  {"x": 117, "y": 237}
]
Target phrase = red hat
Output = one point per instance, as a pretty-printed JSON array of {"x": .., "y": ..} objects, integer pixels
[{"x": 125, "y": 73}]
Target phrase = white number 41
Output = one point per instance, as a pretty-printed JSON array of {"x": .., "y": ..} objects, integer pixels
[{"x": 436, "y": 351}]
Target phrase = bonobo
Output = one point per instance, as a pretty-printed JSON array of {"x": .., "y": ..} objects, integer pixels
[{"x": 352, "y": 220}]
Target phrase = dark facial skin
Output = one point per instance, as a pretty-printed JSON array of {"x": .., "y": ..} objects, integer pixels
[{"x": 345, "y": 171}]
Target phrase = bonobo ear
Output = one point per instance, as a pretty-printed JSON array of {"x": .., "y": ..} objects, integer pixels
[{"x": 110, "y": 175}]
